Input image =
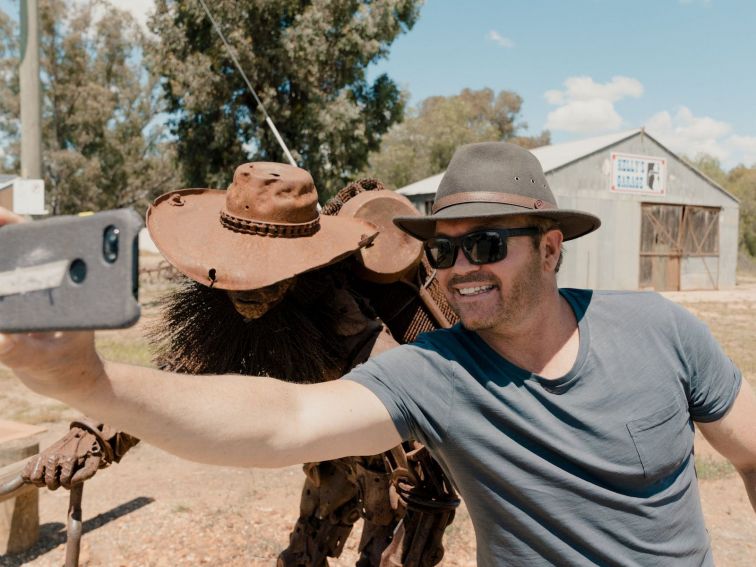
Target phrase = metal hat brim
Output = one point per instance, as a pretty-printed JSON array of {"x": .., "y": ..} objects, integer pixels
[
  {"x": 573, "y": 224},
  {"x": 393, "y": 253},
  {"x": 192, "y": 238}
]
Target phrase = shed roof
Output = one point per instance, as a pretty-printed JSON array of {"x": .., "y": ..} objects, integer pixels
[
  {"x": 6, "y": 180},
  {"x": 551, "y": 157},
  {"x": 558, "y": 155}
]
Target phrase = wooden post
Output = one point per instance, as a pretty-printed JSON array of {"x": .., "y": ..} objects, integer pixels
[{"x": 19, "y": 517}]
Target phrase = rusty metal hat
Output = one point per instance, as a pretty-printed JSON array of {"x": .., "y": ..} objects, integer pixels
[
  {"x": 393, "y": 253},
  {"x": 496, "y": 179},
  {"x": 264, "y": 229}
]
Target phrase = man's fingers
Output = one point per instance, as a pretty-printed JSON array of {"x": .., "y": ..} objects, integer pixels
[
  {"x": 52, "y": 364},
  {"x": 7, "y": 217},
  {"x": 7, "y": 343},
  {"x": 15, "y": 349}
]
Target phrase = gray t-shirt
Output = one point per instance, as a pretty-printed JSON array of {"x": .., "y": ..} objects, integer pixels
[{"x": 595, "y": 467}]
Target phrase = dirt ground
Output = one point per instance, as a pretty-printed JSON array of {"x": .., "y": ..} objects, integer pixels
[{"x": 154, "y": 509}]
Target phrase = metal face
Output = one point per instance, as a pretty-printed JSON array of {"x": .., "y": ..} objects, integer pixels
[{"x": 253, "y": 304}]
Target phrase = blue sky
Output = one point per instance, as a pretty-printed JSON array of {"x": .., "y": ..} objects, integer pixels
[{"x": 684, "y": 69}]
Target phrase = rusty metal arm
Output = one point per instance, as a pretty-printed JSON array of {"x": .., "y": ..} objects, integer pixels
[{"x": 11, "y": 483}]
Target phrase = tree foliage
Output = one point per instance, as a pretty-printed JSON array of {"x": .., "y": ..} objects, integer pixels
[
  {"x": 306, "y": 59},
  {"x": 100, "y": 149},
  {"x": 741, "y": 182},
  {"x": 9, "y": 106},
  {"x": 424, "y": 142}
]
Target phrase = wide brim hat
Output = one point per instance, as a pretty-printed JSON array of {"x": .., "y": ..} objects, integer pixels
[
  {"x": 393, "y": 253},
  {"x": 492, "y": 180},
  {"x": 264, "y": 229}
]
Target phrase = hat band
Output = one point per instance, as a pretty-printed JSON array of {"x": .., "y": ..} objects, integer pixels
[
  {"x": 491, "y": 197},
  {"x": 285, "y": 230}
]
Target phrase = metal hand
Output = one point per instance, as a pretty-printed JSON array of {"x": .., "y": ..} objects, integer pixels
[{"x": 72, "y": 459}]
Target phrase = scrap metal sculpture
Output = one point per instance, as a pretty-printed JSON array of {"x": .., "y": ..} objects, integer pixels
[{"x": 317, "y": 319}]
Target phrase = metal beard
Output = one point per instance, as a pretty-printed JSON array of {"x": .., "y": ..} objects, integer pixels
[{"x": 200, "y": 332}]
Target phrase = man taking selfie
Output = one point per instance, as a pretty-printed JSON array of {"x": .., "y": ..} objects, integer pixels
[{"x": 564, "y": 417}]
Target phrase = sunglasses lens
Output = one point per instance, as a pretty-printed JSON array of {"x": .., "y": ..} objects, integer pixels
[
  {"x": 440, "y": 252},
  {"x": 485, "y": 247}
]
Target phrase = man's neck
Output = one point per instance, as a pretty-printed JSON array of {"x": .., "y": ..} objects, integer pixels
[{"x": 544, "y": 341}]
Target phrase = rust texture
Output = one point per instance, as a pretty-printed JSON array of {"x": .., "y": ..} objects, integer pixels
[{"x": 356, "y": 302}]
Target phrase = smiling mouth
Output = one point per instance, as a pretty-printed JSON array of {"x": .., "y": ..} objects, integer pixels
[{"x": 474, "y": 290}]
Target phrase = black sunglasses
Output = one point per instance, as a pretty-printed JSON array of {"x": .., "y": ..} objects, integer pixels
[{"x": 479, "y": 247}]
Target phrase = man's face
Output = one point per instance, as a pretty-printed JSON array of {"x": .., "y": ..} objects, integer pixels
[
  {"x": 253, "y": 304},
  {"x": 489, "y": 295}
]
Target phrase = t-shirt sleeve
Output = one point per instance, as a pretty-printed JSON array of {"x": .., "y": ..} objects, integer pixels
[
  {"x": 713, "y": 379},
  {"x": 415, "y": 386}
]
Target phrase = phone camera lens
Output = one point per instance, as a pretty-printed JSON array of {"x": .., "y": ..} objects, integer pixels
[
  {"x": 110, "y": 244},
  {"x": 78, "y": 271}
]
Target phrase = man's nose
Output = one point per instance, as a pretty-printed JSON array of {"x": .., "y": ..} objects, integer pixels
[{"x": 462, "y": 265}]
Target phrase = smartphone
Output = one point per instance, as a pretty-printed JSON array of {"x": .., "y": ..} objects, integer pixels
[{"x": 70, "y": 273}]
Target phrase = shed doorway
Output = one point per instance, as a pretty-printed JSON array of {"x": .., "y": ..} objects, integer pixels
[{"x": 679, "y": 247}]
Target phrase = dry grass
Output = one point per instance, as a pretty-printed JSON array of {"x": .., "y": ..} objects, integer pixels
[
  {"x": 132, "y": 349},
  {"x": 711, "y": 468},
  {"x": 734, "y": 326}
]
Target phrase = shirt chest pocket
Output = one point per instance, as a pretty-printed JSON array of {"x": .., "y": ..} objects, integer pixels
[{"x": 663, "y": 440}]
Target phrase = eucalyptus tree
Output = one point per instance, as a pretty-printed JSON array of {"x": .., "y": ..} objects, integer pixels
[
  {"x": 308, "y": 62},
  {"x": 103, "y": 143},
  {"x": 424, "y": 142}
]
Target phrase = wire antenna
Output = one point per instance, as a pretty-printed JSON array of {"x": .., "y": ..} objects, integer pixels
[{"x": 268, "y": 119}]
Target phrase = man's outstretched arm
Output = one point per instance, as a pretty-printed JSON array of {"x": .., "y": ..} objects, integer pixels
[
  {"x": 734, "y": 435},
  {"x": 228, "y": 420}
]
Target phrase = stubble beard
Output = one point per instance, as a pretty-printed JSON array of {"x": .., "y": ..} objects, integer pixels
[{"x": 524, "y": 295}]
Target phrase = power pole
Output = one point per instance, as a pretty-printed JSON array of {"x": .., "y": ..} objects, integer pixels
[{"x": 30, "y": 95}]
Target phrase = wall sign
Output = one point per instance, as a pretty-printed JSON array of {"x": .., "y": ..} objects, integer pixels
[
  {"x": 645, "y": 175},
  {"x": 29, "y": 196}
]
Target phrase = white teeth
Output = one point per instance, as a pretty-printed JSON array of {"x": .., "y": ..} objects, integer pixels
[{"x": 474, "y": 290}]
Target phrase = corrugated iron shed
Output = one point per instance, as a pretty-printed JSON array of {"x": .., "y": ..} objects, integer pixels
[{"x": 677, "y": 230}]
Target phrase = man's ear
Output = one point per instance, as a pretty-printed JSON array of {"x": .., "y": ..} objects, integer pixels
[{"x": 551, "y": 248}]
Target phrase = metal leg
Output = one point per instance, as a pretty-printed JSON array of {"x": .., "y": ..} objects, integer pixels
[{"x": 73, "y": 531}]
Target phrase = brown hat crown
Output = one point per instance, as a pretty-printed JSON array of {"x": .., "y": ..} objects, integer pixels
[
  {"x": 496, "y": 180},
  {"x": 273, "y": 199},
  {"x": 272, "y": 192},
  {"x": 494, "y": 173}
]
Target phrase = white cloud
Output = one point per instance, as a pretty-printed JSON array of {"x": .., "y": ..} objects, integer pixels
[
  {"x": 587, "y": 107},
  {"x": 584, "y": 116},
  {"x": 688, "y": 134},
  {"x": 744, "y": 148},
  {"x": 499, "y": 39},
  {"x": 585, "y": 88},
  {"x": 554, "y": 97}
]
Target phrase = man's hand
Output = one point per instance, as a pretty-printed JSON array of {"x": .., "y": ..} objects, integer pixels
[
  {"x": 7, "y": 217},
  {"x": 60, "y": 365}
]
